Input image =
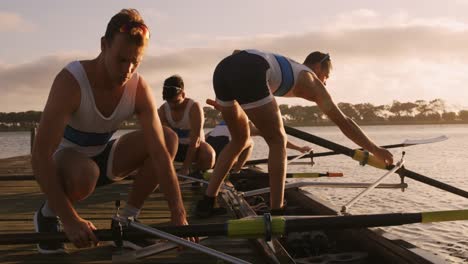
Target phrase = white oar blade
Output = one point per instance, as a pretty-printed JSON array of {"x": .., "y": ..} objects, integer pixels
[{"x": 425, "y": 141}]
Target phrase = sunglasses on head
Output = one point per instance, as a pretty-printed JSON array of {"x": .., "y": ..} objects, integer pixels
[
  {"x": 142, "y": 28},
  {"x": 326, "y": 57},
  {"x": 170, "y": 91}
]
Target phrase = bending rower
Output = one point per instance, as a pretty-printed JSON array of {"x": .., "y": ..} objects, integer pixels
[
  {"x": 73, "y": 152},
  {"x": 245, "y": 84}
]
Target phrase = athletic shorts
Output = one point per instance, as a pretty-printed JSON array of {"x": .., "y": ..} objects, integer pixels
[
  {"x": 104, "y": 161},
  {"x": 181, "y": 152},
  {"x": 218, "y": 143},
  {"x": 242, "y": 77}
]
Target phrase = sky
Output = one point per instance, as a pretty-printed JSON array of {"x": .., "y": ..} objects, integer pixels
[{"x": 381, "y": 50}]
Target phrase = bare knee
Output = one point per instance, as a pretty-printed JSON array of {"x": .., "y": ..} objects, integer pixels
[
  {"x": 207, "y": 156},
  {"x": 81, "y": 184},
  {"x": 146, "y": 174},
  {"x": 240, "y": 141},
  {"x": 276, "y": 139}
]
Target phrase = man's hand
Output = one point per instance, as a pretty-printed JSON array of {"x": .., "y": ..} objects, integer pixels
[
  {"x": 304, "y": 149},
  {"x": 214, "y": 104},
  {"x": 384, "y": 155},
  {"x": 178, "y": 219},
  {"x": 80, "y": 232}
]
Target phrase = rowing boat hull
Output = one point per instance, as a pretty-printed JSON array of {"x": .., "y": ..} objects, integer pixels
[{"x": 365, "y": 245}]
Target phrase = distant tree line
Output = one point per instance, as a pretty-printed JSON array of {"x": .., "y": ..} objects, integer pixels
[{"x": 418, "y": 112}]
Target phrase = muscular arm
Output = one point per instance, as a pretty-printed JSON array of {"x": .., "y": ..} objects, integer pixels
[
  {"x": 63, "y": 100},
  {"x": 196, "y": 125},
  {"x": 162, "y": 116},
  {"x": 160, "y": 159},
  {"x": 314, "y": 90}
]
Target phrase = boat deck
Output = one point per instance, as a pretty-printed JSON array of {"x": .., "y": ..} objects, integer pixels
[{"x": 20, "y": 199}]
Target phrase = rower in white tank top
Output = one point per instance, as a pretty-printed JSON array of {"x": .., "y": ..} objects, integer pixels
[
  {"x": 181, "y": 127},
  {"x": 88, "y": 131}
]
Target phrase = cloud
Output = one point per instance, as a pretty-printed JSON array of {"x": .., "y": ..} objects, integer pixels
[
  {"x": 396, "y": 58},
  {"x": 12, "y": 22}
]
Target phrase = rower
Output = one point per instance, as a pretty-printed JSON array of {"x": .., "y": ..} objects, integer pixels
[
  {"x": 245, "y": 84},
  {"x": 185, "y": 117}
]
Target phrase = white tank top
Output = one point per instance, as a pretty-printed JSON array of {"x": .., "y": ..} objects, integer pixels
[
  {"x": 88, "y": 131},
  {"x": 181, "y": 127},
  {"x": 283, "y": 73}
]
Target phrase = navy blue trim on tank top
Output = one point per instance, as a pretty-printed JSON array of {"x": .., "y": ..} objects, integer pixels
[
  {"x": 287, "y": 76},
  {"x": 86, "y": 139},
  {"x": 182, "y": 133}
]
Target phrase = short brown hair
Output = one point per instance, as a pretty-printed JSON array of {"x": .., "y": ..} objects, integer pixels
[
  {"x": 127, "y": 17},
  {"x": 319, "y": 57},
  {"x": 172, "y": 86}
]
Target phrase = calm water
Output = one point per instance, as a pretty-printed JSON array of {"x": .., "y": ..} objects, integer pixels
[{"x": 444, "y": 161}]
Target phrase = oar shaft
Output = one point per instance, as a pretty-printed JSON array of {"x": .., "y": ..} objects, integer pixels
[
  {"x": 330, "y": 153},
  {"x": 186, "y": 243},
  {"x": 106, "y": 234},
  {"x": 254, "y": 227},
  {"x": 429, "y": 181}
]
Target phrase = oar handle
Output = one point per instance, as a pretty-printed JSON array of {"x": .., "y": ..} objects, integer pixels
[{"x": 365, "y": 158}]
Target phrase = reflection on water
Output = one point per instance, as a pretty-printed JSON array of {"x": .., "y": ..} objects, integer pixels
[{"x": 444, "y": 161}]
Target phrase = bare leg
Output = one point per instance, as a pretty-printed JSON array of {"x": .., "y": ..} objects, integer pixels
[
  {"x": 267, "y": 119},
  {"x": 237, "y": 122},
  {"x": 243, "y": 157},
  {"x": 205, "y": 156},
  {"x": 131, "y": 154},
  {"x": 78, "y": 174}
]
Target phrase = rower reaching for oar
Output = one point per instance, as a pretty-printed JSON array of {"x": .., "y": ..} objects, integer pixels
[
  {"x": 73, "y": 153},
  {"x": 245, "y": 84},
  {"x": 219, "y": 137}
]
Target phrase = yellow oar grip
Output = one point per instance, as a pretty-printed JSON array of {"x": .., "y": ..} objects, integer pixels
[
  {"x": 255, "y": 227},
  {"x": 440, "y": 216},
  {"x": 367, "y": 158}
]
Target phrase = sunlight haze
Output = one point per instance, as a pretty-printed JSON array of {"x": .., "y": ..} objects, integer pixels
[{"x": 381, "y": 51}]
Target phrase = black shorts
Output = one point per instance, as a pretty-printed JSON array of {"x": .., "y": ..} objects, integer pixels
[
  {"x": 218, "y": 143},
  {"x": 102, "y": 160},
  {"x": 242, "y": 77},
  {"x": 181, "y": 152}
]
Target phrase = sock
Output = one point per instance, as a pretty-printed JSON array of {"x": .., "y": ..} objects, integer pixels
[
  {"x": 47, "y": 211},
  {"x": 130, "y": 211}
]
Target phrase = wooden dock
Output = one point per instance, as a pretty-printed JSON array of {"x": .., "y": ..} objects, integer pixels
[{"x": 20, "y": 199}]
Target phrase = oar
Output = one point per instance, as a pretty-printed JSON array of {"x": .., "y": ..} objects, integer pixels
[
  {"x": 256, "y": 226},
  {"x": 299, "y": 184},
  {"x": 251, "y": 174},
  {"x": 406, "y": 143},
  {"x": 198, "y": 247},
  {"x": 205, "y": 182},
  {"x": 362, "y": 156}
]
